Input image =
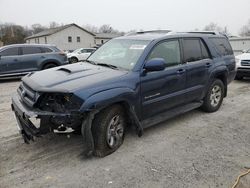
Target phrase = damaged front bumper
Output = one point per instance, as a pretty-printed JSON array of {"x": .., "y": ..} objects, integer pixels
[{"x": 49, "y": 121}]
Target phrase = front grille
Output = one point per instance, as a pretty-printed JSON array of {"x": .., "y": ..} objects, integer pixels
[
  {"x": 27, "y": 95},
  {"x": 245, "y": 62}
]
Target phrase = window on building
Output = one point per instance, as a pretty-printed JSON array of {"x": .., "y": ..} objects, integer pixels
[
  {"x": 9, "y": 52},
  {"x": 78, "y": 39},
  {"x": 69, "y": 39}
]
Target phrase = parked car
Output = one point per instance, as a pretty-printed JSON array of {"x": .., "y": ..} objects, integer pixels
[
  {"x": 154, "y": 77},
  {"x": 80, "y": 54},
  {"x": 20, "y": 59},
  {"x": 243, "y": 65}
]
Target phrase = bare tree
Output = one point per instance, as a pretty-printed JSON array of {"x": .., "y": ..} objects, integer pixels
[
  {"x": 53, "y": 24},
  {"x": 213, "y": 27},
  {"x": 91, "y": 28},
  {"x": 245, "y": 30},
  {"x": 37, "y": 28}
]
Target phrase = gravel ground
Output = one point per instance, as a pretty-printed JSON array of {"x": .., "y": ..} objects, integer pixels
[{"x": 192, "y": 150}]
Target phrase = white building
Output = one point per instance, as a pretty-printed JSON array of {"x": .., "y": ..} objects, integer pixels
[
  {"x": 239, "y": 43},
  {"x": 67, "y": 37},
  {"x": 70, "y": 37}
]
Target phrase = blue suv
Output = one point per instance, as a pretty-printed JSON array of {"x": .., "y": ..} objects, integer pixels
[
  {"x": 20, "y": 59},
  {"x": 137, "y": 80}
]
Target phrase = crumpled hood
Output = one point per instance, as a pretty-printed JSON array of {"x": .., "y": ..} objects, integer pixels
[{"x": 70, "y": 78}]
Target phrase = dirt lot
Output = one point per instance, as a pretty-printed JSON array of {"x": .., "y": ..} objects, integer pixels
[{"x": 192, "y": 150}]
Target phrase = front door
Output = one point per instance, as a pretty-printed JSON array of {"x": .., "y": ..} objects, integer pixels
[{"x": 163, "y": 90}]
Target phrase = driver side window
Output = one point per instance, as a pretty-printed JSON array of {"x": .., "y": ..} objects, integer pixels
[{"x": 169, "y": 51}]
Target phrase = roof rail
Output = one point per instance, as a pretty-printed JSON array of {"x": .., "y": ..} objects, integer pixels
[
  {"x": 150, "y": 31},
  {"x": 205, "y": 32}
]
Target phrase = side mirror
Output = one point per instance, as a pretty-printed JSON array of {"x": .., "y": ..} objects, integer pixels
[{"x": 155, "y": 64}]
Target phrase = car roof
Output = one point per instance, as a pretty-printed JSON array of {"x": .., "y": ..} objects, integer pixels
[
  {"x": 150, "y": 36},
  {"x": 25, "y": 45}
]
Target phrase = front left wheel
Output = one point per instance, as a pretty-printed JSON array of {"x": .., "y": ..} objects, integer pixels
[{"x": 108, "y": 130}]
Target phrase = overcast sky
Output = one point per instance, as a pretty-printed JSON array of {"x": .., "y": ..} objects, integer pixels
[{"x": 125, "y": 15}]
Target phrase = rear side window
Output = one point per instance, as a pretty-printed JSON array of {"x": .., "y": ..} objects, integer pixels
[
  {"x": 223, "y": 46},
  {"x": 10, "y": 52},
  {"x": 31, "y": 50},
  {"x": 194, "y": 50},
  {"x": 46, "y": 50}
]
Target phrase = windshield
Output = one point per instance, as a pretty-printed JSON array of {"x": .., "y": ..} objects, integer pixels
[
  {"x": 122, "y": 53},
  {"x": 77, "y": 50}
]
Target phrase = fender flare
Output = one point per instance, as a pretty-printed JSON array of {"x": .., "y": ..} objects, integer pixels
[{"x": 101, "y": 100}]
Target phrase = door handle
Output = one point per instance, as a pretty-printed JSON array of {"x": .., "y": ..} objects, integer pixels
[
  {"x": 181, "y": 71},
  {"x": 15, "y": 60},
  {"x": 208, "y": 65}
]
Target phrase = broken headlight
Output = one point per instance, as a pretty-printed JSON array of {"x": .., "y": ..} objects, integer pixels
[{"x": 59, "y": 102}]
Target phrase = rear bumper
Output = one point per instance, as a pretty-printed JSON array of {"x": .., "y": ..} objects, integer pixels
[
  {"x": 243, "y": 72},
  {"x": 24, "y": 114}
]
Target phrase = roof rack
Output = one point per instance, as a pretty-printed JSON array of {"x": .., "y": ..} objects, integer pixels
[
  {"x": 205, "y": 32},
  {"x": 150, "y": 31}
]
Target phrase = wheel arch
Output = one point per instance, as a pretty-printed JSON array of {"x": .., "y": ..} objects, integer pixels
[{"x": 43, "y": 64}]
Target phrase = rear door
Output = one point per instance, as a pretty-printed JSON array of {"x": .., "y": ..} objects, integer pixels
[
  {"x": 198, "y": 62},
  {"x": 9, "y": 61},
  {"x": 163, "y": 90},
  {"x": 30, "y": 57}
]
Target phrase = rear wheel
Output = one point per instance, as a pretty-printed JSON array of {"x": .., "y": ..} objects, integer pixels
[
  {"x": 214, "y": 96},
  {"x": 49, "y": 65},
  {"x": 73, "y": 60},
  {"x": 108, "y": 130}
]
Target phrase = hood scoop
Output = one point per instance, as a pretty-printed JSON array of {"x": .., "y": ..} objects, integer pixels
[{"x": 63, "y": 69}]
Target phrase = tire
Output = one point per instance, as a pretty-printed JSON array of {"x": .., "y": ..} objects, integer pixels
[
  {"x": 73, "y": 60},
  {"x": 214, "y": 96},
  {"x": 108, "y": 130},
  {"x": 49, "y": 65}
]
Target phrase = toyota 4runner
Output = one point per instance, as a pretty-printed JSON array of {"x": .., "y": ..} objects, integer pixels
[{"x": 140, "y": 80}]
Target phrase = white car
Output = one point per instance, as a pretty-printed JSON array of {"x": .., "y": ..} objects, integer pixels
[
  {"x": 243, "y": 65},
  {"x": 80, "y": 54}
]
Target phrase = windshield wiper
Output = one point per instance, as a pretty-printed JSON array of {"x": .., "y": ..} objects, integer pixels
[
  {"x": 91, "y": 62},
  {"x": 107, "y": 65}
]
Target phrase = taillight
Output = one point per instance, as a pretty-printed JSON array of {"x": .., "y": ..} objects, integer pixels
[{"x": 62, "y": 53}]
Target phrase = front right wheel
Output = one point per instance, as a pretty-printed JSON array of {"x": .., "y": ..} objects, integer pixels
[
  {"x": 108, "y": 130},
  {"x": 214, "y": 96}
]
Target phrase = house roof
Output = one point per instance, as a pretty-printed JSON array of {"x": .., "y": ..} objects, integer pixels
[
  {"x": 51, "y": 31},
  {"x": 106, "y": 35}
]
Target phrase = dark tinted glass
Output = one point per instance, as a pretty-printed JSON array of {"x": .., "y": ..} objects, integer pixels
[
  {"x": 46, "y": 50},
  {"x": 192, "y": 50},
  {"x": 169, "y": 51},
  {"x": 90, "y": 50},
  {"x": 223, "y": 46},
  {"x": 9, "y": 52},
  {"x": 31, "y": 50}
]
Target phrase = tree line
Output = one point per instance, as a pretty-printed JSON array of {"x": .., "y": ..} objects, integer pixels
[{"x": 13, "y": 34}]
